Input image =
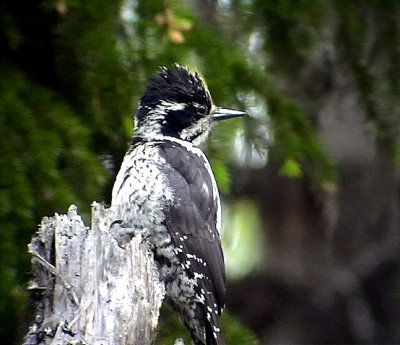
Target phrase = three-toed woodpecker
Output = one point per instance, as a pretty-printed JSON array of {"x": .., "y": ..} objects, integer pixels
[{"x": 166, "y": 188}]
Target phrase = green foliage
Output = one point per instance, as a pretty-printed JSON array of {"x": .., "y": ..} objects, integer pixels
[
  {"x": 55, "y": 122},
  {"x": 291, "y": 168},
  {"x": 222, "y": 175},
  {"x": 297, "y": 143},
  {"x": 171, "y": 328},
  {"x": 90, "y": 62},
  {"x": 241, "y": 235},
  {"x": 378, "y": 87},
  {"x": 235, "y": 333},
  {"x": 290, "y": 27},
  {"x": 46, "y": 164}
]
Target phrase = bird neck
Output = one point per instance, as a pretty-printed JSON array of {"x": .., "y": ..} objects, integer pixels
[
  {"x": 191, "y": 147},
  {"x": 154, "y": 129}
]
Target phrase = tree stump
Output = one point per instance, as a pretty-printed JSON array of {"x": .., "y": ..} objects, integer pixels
[{"x": 93, "y": 288}]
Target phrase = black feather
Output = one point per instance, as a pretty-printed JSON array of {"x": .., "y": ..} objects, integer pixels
[
  {"x": 192, "y": 224},
  {"x": 176, "y": 84}
]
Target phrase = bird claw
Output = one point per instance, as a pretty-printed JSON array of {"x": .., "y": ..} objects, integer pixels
[{"x": 123, "y": 233}]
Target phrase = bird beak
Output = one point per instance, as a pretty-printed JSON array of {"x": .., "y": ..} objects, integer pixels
[{"x": 224, "y": 114}]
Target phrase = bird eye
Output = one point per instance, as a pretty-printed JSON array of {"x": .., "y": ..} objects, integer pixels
[{"x": 201, "y": 109}]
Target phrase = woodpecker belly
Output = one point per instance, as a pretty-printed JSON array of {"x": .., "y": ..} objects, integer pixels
[{"x": 166, "y": 187}]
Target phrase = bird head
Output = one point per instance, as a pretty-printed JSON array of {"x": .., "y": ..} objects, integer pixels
[{"x": 177, "y": 103}]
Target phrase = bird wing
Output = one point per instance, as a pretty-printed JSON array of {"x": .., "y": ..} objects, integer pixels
[{"x": 193, "y": 220}]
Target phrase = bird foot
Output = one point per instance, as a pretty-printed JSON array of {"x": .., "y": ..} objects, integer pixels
[{"x": 123, "y": 233}]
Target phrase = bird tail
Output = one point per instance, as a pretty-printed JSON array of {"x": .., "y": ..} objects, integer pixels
[
  {"x": 214, "y": 337},
  {"x": 212, "y": 326},
  {"x": 205, "y": 328}
]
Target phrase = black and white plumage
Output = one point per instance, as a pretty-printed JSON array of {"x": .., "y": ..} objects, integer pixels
[{"x": 166, "y": 188}]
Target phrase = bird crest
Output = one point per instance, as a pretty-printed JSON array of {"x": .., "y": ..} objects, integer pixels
[{"x": 176, "y": 84}]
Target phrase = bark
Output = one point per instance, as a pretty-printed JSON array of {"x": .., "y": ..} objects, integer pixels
[{"x": 94, "y": 287}]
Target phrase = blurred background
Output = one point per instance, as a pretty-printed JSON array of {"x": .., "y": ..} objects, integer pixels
[{"x": 310, "y": 180}]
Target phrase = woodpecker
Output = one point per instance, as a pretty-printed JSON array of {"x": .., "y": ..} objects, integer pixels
[{"x": 166, "y": 187}]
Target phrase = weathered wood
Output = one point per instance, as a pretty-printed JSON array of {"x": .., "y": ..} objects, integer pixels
[{"x": 93, "y": 288}]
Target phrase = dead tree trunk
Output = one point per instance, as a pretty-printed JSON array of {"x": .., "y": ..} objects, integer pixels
[{"x": 93, "y": 288}]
